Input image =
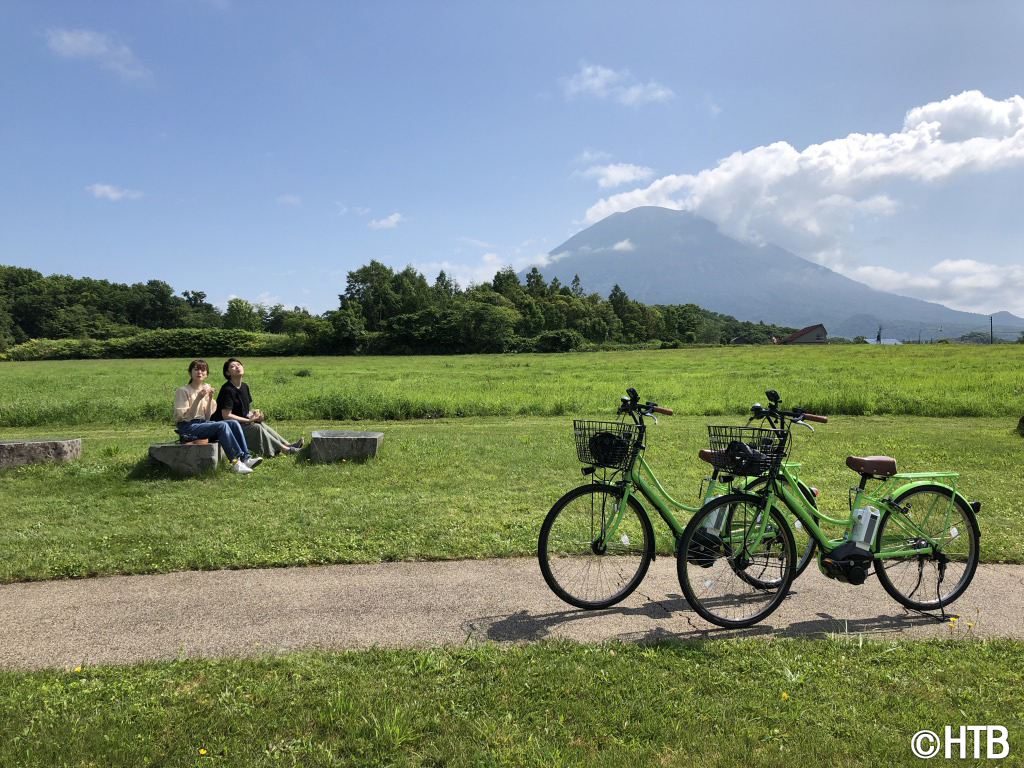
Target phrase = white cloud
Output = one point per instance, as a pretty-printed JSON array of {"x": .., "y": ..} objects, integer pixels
[
  {"x": 475, "y": 243},
  {"x": 485, "y": 268},
  {"x": 964, "y": 284},
  {"x": 624, "y": 245},
  {"x": 99, "y": 48},
  {"x": 589, "y": 156},
  {"x": 110, "y": 192},
  {"x": 809, "y": 201},
  {"x": 616, "y": 174},
  {"x": 595, "y": 81},
  {"x": 389, "y": 222},
  {"x": 292, "y": 200}
]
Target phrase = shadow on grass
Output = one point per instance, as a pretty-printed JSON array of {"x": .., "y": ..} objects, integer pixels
[{"x": 146, "y": 471}]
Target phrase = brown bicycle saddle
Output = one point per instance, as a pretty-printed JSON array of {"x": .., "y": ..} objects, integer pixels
[{"x": 876, "y": 466}]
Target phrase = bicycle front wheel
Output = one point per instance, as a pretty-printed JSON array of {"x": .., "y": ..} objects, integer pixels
[
  {"x": 734, "y": 569},
  {"x": 594, "y": 552},
  {"x": 928, "y": 581},
  {"x": 805, "y": 544}
]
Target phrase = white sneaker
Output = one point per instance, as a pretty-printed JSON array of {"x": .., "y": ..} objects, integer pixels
[
  {"x": 240, "y": 468},
  {"x": 253, "y": 461}
]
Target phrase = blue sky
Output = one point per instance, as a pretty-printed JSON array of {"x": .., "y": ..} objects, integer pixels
[{"x": 264, "y": 149}]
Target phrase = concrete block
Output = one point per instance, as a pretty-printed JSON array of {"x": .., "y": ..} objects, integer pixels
[
  {"x": 186, "y": 459},
  {"x": 339, "y": 444},
  {"x": 15, "y": 453}
]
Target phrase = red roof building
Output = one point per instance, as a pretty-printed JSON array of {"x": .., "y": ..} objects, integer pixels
[{"x": 812, "y": 334}]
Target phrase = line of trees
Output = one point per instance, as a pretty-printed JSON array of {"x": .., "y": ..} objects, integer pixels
[{"x": 381, "y": 311}]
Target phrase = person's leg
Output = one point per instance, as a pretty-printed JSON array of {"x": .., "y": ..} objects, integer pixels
[
  {"x": 219, "y": 431},
  {"x": 263, "y": 440},
  {"x": 235, "y": 430}
]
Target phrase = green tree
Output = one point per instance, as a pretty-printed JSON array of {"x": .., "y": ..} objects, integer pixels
[
  {"x": 535, "y": 285},
  {"x": 444, "y": 289},
  {"x": 506, "y": 282},
  {"x": 242, "y": 316}
]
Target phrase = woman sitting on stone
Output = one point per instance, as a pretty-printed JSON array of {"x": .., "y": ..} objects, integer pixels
[
  {"x": 194, "y": 406},
  {"x": 234, "y": 405}
]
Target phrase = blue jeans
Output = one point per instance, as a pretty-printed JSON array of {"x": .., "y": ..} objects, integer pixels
[{"x": 227, "y": 433}]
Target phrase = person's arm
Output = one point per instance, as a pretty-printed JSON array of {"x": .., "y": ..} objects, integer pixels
[
  {"x": 200, "y": 406},
  {"x": 226, "y": 414},
  {"x": 207, "y": 403},
  {"x": 180, "y": 405},
  {"x": 226, "y": 402}
]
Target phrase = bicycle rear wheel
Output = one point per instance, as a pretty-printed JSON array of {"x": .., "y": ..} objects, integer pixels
[
  {"x": 730, "y": 574},
  {"x": 592, "y": 552},
  {"x": 929, "y": 581}
]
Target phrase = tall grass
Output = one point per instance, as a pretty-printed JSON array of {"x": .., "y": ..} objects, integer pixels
[{"x": 929, "y": 380}]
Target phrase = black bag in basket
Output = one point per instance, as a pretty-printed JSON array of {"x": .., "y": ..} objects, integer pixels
[
  {"x": 608, "y": 449},
  {"x": 744, "y": 460}
]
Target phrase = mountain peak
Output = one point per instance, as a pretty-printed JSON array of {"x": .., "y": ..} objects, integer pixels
[{"x": 665, "y": 256}]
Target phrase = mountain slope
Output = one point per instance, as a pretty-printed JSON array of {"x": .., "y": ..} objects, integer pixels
[{"x": 662, "y": 256}]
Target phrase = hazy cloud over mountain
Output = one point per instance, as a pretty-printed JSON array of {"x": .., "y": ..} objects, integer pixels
[{"x": 810, "y": 201}]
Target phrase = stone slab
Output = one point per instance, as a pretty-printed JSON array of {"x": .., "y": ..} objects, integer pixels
[
  {"x": 343, "y": 445},
  {"x": 186, "y": 459},
  {"x": 15, "y": 453}
]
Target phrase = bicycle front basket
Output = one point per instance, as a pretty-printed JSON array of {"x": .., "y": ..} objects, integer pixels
[
  {"x": 748, "y": 451},
  {"x": 608, "y": 444}
]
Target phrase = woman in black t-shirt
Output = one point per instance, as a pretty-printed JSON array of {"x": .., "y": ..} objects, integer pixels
[{"x": 234, "y": 403}]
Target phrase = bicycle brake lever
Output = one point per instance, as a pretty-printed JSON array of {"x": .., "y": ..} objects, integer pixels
[{"x": 803, "y": 424}]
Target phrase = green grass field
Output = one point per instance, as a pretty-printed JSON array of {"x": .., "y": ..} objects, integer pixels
[
  {"x": 439, "y": 489},
  {"x": 929, "y": 380},
  {"x": 839, "y": 702},
  {"x": 476, "y": 450}
]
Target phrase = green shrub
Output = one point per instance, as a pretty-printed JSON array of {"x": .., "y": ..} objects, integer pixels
[{"x": 563, "y": 340}]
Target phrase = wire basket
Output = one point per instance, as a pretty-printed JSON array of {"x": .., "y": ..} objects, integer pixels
[
  {"x": 748, "y": 451},
  {"x": 608, "y": 444}
]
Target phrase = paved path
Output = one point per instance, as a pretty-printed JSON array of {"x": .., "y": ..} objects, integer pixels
[{"x": 126, "y": 619}]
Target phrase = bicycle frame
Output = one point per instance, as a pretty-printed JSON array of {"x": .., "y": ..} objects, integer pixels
[
  {"x": 652, "y": 491},
  {"x": 784, "y": 489}
]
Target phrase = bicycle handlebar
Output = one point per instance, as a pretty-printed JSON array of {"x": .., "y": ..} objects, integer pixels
[
  {"x": 631, "y": 404},
  {"x": 773, "y": 412}
]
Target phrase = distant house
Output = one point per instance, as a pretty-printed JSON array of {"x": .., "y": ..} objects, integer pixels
[
  {"x": 884, "y": 342},
  {"x": 812, "y": 334}
]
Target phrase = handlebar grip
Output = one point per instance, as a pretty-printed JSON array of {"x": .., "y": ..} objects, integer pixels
[
  {"x": 812, "y": 417},
  {"x": 659, "y": 409}
]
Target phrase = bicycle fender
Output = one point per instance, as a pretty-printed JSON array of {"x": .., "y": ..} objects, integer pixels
[{"x": 932, "y": 484}]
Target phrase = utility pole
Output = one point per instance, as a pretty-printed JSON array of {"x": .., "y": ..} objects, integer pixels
[{"x": 991, "y": 339}]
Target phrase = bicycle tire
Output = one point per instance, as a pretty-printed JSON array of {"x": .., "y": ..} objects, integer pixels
[
  {"x": 570, "y": 561},
  {"x": 910, "y": 579},
  {"x": 714, "y": 576},
  {"x": 805, "y": 543}
]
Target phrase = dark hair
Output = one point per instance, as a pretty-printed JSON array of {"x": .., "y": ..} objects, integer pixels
[
  {"x": 228, "y": 362},
  {"x": 200, "y": 364}
]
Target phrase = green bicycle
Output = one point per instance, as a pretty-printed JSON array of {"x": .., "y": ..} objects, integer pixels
[
  {"x": 915, "y": 530},
  {"x": 597, "y": 541}
]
